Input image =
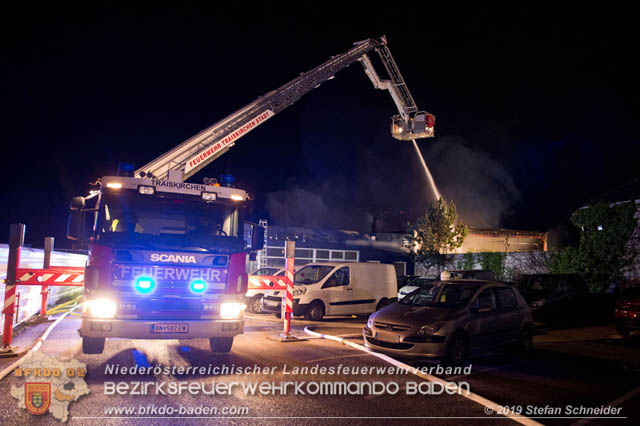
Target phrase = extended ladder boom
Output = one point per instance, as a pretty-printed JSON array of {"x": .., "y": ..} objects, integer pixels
[{"x": 198, "y": 151}]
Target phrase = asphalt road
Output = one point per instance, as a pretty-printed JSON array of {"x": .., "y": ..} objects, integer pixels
[{"x": 562, "y": 370}]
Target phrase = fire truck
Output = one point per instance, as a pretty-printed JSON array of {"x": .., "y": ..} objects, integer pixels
[{"x": 167, "y": 256}]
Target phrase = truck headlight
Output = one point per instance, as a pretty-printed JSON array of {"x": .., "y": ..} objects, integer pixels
[
  {"x": 100, "y": 308},
  {"x": 231, "y": 310},
  {"x": 429, "y": 329},
  {"x": 299, "y": 291}
]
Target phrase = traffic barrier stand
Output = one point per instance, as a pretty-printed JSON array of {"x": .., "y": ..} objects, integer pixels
[
  {"x": 287, "y": 297},
  {"x": 46, "y": 277}
]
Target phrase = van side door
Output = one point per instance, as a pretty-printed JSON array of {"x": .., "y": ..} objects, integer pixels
[{"x": 338, "y": 292}]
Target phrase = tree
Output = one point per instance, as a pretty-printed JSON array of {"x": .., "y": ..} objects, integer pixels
[
  {"x": 605, "y": 249},
  {"x": 436, "y": 234},
  {"x": 467, "y": 262},
  {"x": 494, "y": 261}
]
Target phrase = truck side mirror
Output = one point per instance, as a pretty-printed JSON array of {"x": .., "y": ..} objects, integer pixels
[
  {"x": 257, "y": 237},
  {"x": 76, "y": 229},
  {"x": 77, "y": 203}
]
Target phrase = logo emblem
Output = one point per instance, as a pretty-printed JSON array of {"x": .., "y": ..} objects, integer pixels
[
  {"x": 37, "y": 397},
  {"x": 173, "y": 258},
  {"x": 389, "y": 326}
]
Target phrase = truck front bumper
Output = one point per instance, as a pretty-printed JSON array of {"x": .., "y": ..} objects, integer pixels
[{"x": 144, "y": 329}]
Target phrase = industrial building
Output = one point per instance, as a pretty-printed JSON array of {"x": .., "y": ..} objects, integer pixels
[{"x": 318, "y": 245}]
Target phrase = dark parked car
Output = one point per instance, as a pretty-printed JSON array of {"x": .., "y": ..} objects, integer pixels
[
  {"x": 451, "y": 318},
  {"x": 627, "y": 313},
  {"x": 556, "y": 298},
  {"x": 413, "y": 285},
  {"x": 469, "y": 274}
]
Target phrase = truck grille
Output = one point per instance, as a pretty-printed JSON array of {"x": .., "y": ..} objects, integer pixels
[{"x": 168, "y": 309}]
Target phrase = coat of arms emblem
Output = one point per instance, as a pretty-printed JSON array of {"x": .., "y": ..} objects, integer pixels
[{"x": 37, "y": 397}]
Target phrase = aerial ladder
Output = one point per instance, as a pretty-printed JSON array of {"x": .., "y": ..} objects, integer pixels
[{"x": 192, "y": 155}]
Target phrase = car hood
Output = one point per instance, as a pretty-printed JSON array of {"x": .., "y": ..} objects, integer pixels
[{"x": 399, "y": 313}]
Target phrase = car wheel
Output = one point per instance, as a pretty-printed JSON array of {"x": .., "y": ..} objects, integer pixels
[
  {"x": 255, "y": 305},
  {"x": 92, "y": 345},
  {"x": 525, "y": 339},
  {"x": 315, "y": 312},
  {"x": 624, "y": 332},
  {"x": 457, "y": 350},
  {"x": 220, "y": 345}
]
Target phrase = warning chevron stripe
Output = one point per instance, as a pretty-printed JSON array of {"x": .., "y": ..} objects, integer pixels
[{"x": 56, "y": 276}]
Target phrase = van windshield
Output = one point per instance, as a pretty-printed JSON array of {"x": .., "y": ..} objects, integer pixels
[{"x": 311, "y": 274}]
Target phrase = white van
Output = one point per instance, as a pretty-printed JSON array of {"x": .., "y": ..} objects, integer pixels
[{"x": 333, "y": 288}]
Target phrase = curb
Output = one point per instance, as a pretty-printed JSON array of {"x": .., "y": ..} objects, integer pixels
[
  {"x": 39, "y": 341},
  {"x": 490, "y": 406}
]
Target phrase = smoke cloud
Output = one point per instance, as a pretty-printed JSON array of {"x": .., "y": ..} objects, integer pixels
[
  {"x": 480, "y": 186},
  {"x": 387, "y": 181}
]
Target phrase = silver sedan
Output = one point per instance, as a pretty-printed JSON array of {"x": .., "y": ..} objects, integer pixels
[{"x": 451, "y": 319}]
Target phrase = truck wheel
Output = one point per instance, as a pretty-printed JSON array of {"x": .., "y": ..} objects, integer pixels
[
  {"x": 221, "y": 345},
  {"x": 315, "y": 312},
  {"x": 255, "y": 305},
  {"x": 92, "y": 345}
]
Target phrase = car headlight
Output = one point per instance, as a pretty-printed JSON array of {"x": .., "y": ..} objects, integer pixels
[
  {"x": 231, "y": 310},
  {"x": 370, "y": 322},
  {"x": 429, "y": 329},
  {"x": 100, "y": 308},
  {"x": 299, "y": 291}
]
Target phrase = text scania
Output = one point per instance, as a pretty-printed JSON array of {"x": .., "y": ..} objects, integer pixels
[
  {"x": 173, "y": 258},
  {"x": 283, "y": 388}
]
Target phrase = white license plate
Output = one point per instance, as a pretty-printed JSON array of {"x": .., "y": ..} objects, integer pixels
[
  {"x": 387, "y": 337},
  {"x": 169, "y": 328}
]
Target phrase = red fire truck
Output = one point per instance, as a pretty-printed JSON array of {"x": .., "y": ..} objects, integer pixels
[{"x": 167, "y": 257}]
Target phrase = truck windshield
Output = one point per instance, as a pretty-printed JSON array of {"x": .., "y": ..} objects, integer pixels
[
  {"x": 168, "y": 222},
  {"x": 311, "y": 274}
]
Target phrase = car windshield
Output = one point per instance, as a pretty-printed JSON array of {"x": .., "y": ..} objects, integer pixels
[
  {"x": 537, "y": 285},
  {"x": 157, "y": 222},
  {"x": 311, "y": 274},
  {"x": 442, "y": 295}
]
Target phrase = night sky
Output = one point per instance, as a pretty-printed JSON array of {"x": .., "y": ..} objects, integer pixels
[{"x": 536, "y": 108}]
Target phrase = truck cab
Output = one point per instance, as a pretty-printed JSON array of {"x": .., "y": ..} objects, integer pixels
[{"x": 166, "y": 261}]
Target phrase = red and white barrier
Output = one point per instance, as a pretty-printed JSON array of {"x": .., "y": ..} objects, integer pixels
[
  {"x": 65, "y": 276},
  {"x": 287, "y": 298}
]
